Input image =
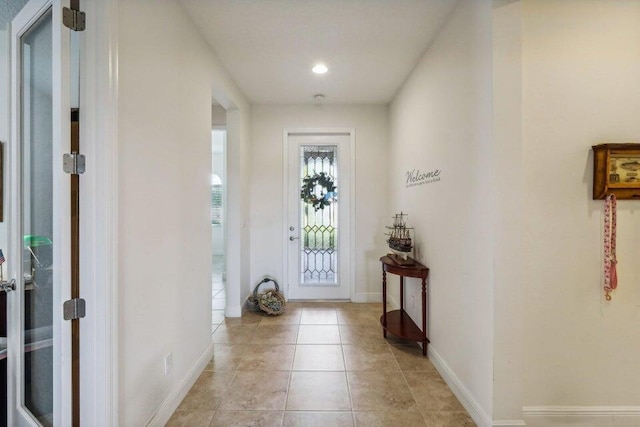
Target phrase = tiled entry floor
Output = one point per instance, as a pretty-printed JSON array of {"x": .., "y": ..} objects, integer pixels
[{"x": 319, "y": 364}]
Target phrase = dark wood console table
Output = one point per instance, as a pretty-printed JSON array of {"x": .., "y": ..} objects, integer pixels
[{"x": 398, "y": 322}]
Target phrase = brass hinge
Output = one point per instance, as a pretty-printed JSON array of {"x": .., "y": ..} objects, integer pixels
[{"x": 74, "y": 19}]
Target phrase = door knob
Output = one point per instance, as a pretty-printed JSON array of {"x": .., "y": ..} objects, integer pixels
[
  {"x": 8, "y": 286},
  {"x": 292, "y": 238}
]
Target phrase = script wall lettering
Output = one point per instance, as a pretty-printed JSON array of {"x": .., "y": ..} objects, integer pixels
[{"x": 417, "y": 177}]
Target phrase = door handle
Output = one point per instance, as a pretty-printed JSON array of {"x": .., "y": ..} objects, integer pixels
[
  {"x": 292, "y": 238},
  {"x": 8, "y": 286}
]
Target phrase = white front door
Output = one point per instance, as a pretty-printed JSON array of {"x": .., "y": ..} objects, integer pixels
[
  {"x": 38, "y": 256},
  {"x": 318, "y": 215}
]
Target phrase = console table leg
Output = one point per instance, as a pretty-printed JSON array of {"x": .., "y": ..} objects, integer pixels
[
  {"x": 402, "y": 293},
  {"x": 384, "y": 303},
  {"x": 424, "y": 316}
]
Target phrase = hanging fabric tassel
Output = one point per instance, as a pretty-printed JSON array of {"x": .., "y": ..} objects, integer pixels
[{"x": 610, "y": 262}]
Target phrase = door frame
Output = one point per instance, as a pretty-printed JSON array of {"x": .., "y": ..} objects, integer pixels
[
  {"x": 99, "y": 349},
  {"x": 286, "y": 134}
]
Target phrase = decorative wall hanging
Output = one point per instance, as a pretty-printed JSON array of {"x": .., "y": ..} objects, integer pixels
[
  {"x": 610, "y": 262},
  {"x": 417, "y": 177},
  {"x": 616, "y": 170},
  {"x": 318, "y": 190}
]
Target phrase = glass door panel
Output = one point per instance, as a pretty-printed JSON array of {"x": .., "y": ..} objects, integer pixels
[
  {"x": 37, "y": 218},
  {"x": 319, "y": 214}
]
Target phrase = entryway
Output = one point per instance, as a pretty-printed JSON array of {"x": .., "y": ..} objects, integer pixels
[
  {"x": 218, "y": 218},
  {"x": 318, "y": 214}
]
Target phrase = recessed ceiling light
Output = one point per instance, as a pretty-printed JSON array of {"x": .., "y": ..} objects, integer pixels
[{"x": 319, "y": 69}]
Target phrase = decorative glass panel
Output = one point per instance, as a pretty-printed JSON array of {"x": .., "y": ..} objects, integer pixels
[{"x": 319, "y": 208}]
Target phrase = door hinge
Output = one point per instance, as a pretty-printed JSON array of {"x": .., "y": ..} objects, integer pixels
[
  {"x": 74, "y": 19},
  {"x": 75, "y": 308},
  {"x": 74, "y": 163}
]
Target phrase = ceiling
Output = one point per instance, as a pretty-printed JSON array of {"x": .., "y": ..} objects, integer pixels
[{"x": 269, "y": 46}]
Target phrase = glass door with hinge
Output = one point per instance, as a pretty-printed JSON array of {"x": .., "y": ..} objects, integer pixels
[{"x": 39, "y": 347}]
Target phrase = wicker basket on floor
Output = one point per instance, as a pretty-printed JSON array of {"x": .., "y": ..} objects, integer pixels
[{"x": 271, "y": 301}]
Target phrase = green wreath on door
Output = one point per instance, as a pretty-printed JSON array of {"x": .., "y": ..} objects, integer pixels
[{"x": 327, "y": 193}]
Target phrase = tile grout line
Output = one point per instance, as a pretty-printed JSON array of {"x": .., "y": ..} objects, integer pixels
[
  {"x": 346, "y": 374},
  {"x": 295, "y": 351},
  {"x": 413, "y": 396},
  {"x": 245, "y": 356}
]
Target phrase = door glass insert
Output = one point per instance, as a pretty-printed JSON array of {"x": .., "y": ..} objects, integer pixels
[
  {"x": 37, "y": 218},
  {"x": 319, "y": 214}
]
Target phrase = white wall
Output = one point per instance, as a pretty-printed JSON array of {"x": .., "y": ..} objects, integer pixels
[
  {"x": 167, "y": 76},
  {"x": 370, "y": 124},
  {"x": 580, "y": 87},
  {"x": 237, "y": 254},
  {"x": 507, "y": 219},
  {"x": 441, "y": 119},
  {"x": 218, "y": 116}
]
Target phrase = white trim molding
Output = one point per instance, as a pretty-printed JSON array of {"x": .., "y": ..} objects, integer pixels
[
  {"x": 392, "y": 302},
  {"x": 368, "y": 297},
  {"x": 509, "y": 423},
  {"x": 99, "y": 334},
  {"x": 171, "y": 402},
  {"x": 570, "y": 411},
  {"x": 588, "y": 416},
  {"x": 459, "y": 389}
]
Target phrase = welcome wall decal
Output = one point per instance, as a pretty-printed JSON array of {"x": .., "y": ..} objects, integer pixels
[{"x": 417, "y": 177}]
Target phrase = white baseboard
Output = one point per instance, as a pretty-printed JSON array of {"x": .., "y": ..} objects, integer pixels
[
  {"x": 459, "y": 389},
  {"x": 368, "y": 297},
  {"x": 509, "y": 423},
  {"x": 585, "y": 416},
  {"x": 172, "y": 401},
  {"x": 395, "y": 305}
]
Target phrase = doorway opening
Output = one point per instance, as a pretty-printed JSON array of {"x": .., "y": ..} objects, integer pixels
[{"x": 218, "y": 216}]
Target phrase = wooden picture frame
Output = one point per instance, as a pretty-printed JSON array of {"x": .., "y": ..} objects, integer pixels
[{"x": 616, "y": 170}]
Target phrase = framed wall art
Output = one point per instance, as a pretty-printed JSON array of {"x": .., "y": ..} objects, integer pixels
[{"x": 616, "y": 170}]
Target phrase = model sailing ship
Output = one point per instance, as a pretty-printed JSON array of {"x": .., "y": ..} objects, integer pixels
[{"x": 400, "y": 240}]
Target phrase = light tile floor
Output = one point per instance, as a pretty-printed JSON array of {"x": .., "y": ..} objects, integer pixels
[
  {"x": 319, "y": 364},
  {"x": 219, "y": 298}
]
